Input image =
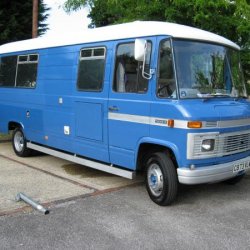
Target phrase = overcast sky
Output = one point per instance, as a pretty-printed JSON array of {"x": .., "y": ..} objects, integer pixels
[{"x": 61, "y": 22}]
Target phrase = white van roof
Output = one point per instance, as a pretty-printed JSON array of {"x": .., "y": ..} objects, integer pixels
[{"x": 116, "y": 32}]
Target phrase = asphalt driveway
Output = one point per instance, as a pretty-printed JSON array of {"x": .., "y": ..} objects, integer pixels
[{"x": 94, "y": 210}]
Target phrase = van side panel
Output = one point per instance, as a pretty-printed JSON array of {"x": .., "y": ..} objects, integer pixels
[{"x": 56, "y": 113}]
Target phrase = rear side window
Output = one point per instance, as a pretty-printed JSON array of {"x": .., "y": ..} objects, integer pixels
[
  {"x": 19, "y": 71},
  {"x": 91, "y": 69},
  {"x": 8, "y": 71},
  {"x": 27, "y": 71}
]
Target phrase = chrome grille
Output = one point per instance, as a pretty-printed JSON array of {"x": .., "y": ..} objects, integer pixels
[
  {"x": 236, "y": 143},
  {"x": 225, "y": 144}
]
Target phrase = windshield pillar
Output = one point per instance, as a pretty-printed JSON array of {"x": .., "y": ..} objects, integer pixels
[{"x": 166, "y": 75}]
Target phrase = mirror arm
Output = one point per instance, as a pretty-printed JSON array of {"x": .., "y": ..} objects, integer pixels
[
  {"x": 140, "y": 55},
  {"x": 145, "y": 75}
]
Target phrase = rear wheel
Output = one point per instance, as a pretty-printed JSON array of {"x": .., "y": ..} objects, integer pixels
[
  {"x": 161, "y": 179},
  {"x": 19, "y": 143}
]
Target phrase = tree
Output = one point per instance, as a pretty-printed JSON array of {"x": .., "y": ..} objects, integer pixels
[
  {"x": 108, "y": 12},
  {"x": 16, "y": 20},
  {"x": 229, "y": 18},
  {"x": 74, "y": 5}
]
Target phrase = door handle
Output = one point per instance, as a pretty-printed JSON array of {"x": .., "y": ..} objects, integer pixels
[{"x": 113, "y": 108}]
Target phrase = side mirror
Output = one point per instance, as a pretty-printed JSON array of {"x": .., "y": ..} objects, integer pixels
[{"x": 140, "y": 49}]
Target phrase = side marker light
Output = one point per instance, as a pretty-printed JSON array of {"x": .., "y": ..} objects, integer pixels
[{"x": 171, "y": 123}]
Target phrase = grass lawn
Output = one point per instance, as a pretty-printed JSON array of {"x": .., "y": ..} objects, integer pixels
[{"x": 5, "y": 137}]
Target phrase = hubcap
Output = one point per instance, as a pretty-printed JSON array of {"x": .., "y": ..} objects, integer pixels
[
  {"x": 155, "y": 179},
  {"x": 19, "y": 141}
]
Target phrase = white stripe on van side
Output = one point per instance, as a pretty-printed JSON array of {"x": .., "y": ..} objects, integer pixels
[
  {"x": 129, "y": 118},
  {"x": 145, "y": 120},
  {"x": 182, "y": 124}
]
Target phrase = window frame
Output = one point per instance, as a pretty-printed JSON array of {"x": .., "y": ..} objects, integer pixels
[
  {"x": 28, "y": 58},
  {"x": 90, "y": 58},
  {"x": 28, "y": 61},
  {"x": 115, "y": 67},
  {"x": 18, "y": 61}
]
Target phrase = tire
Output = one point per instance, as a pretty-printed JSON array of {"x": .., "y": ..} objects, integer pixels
[
  {"x": 161, "y": 179},
  {"x": 19, "y": 143},
  {"x": 234, "y": 180}
]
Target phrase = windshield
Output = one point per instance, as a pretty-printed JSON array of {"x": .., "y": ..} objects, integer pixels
[{"x": 207, "y": 70}]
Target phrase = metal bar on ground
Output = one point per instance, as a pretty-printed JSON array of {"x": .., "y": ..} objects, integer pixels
[{"x": 34, "y": 204}]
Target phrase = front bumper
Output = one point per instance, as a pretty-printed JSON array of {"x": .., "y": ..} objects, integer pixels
[{"x": 214, "y": 173}]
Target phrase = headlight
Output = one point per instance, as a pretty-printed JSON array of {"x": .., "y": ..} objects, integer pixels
[
  {"x": 207, "y": 145},
  {"x": 203, "y": 145}
]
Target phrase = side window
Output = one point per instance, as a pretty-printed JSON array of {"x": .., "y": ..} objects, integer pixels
[
  {"x": 8, "y": 71},
  {"x": 91, "y": 69},
  {"x": 166, "y": 85},
  {"x": 128, "y": 71},
  {"x": 27, "y": 71}
]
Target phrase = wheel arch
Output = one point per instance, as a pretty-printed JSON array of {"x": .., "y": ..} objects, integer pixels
[
  {"x": 12, "y": 125},
  {"x": 148, "y": 146}
]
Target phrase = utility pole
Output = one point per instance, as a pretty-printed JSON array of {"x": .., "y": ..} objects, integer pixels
[{"x": 35, "y": 19}]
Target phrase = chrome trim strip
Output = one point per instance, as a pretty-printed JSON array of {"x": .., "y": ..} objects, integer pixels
[
  {"x": 233, "y": 123},
  {"x": 88, "y": 163},
  {"x": 210, "y": 174},
  {"x": 155, "y": 121},
  {"x": 129, "y": 118},
  {"x": 182, "y": 124}
]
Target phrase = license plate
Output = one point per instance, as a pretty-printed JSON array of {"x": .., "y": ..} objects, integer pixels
[{"x": 241, "y": 166}]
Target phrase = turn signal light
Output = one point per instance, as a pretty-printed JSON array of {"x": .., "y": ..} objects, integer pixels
[
  {"x": 171, "y": 123},
  {"x": 194, "y": 124}
]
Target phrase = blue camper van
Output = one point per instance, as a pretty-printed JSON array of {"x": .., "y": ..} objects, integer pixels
[{"x": 157, "y": 97}]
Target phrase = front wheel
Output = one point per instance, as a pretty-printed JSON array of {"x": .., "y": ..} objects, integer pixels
[
  {"x": 19, "y": 143},
  {"x": 161, "y": 179}
]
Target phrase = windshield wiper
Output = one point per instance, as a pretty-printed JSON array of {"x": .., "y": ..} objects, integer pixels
[
  {"x": 212, "y": 95},
  {"x": 220, "y": 95},
  {"x": 236, "y": 98}
]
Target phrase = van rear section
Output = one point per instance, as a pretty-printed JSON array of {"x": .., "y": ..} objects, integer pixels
[{"x": 153, "y": 97}]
